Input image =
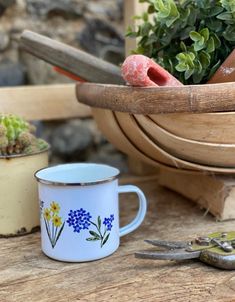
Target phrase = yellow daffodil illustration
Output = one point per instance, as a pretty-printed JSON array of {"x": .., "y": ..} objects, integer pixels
[
  {"x": 47, "y": 214},
  {"x": 53, "y": 222},
  {"x": 56, "y": 220},
  {"x": 55, "y": 208}
]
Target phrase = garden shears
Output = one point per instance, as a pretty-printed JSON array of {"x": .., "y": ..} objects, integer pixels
[{"x": 217, "y": 249}]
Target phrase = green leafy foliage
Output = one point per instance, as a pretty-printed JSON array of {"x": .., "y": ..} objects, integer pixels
[{"x": 189, "y": 38}]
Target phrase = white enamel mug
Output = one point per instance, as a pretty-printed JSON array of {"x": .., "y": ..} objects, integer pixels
[{"x": 79, "y": 211}]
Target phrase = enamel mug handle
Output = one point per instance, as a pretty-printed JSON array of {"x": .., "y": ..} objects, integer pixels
[{"x": 141, "y": 212}]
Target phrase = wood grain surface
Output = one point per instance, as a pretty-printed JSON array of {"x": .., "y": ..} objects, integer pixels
[
  {"x": 136, "y": 100},
  {"x": 211, "y": 154},
  {"x": 70, "y": 59},
  {"x": 43, "y": 102},
  {"x": 205, "y": 127},
  {"x": 26, "y": 275},
  {"x": 110, "y": 125}
]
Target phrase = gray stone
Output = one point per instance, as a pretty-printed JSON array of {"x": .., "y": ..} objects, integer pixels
[
  {"x": 12, "y": 74},
  {"x": 98, "y": 137},
  {"x": 106, "y": 9},
  {"x": 4, "y": 40},
  {"x": 109, "y": 155},
  {"x": 40, "y": 72},
  {"x": 71, "y": 140},
  {"x": 80, "y": 140},
  {"x": 5, "y": 4},
  {"x": 65, "y": 8},
  {"x": 99, "y": 38},
  {"x": 113, "y": 54}
]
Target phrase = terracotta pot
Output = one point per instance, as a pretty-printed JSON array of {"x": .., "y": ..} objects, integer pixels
[{"x": 19, "y": 206}]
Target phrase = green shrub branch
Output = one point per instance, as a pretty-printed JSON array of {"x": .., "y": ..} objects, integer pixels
[{"x": 189, "y": 38}]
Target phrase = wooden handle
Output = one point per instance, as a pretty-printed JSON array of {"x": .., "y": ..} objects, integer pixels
[
  {"x": 70, "y": 59},
  {"x": 191, "y": 98}
]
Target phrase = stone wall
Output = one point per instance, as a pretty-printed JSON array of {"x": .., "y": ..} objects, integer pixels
[{"x": 95, "y": 26}]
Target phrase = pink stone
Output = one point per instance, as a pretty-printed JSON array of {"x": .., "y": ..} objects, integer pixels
[{"x": 139, "y": 70}]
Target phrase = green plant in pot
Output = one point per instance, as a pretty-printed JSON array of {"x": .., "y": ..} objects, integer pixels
[
  {"x": 189, "y": 38},
  {"x": 21, "y": 155}
]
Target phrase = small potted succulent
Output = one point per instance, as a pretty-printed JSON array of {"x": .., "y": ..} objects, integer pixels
[
  {"x": 21, "y": 155},
  {"x": 189, "y": 38}
]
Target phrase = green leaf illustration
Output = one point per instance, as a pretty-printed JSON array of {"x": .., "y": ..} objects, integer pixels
[
  {"x": 99, "y": 222},
  {"x": 105, "y": 239},
  {"x": 94, "y": 234},
  {"x": 92, "y": 239},
  {"x": 48, "y": 232},
  {"x": 60, "y": 231}
]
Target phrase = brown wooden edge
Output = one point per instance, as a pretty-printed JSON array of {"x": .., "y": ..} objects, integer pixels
[{"x": 135, "y": 100}]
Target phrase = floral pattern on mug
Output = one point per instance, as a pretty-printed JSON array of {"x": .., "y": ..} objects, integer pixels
[
  {"x": 53, "y": 222},
  {"x": 41, "y": 205},
  {"x": 99, "y": 235},
  {"x": 81, "y": 220}
]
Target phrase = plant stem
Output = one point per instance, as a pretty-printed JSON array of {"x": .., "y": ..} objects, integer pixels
[
  {"x": 48, "y": 230},
  {"x": 102, "y": 237},
  {"x": 54, "y": 241}
]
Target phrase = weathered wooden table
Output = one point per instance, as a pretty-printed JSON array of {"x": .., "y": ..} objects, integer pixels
[{"x": 27, "y": 275}]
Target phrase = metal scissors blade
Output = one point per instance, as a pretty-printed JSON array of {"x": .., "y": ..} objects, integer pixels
[
  {"x": 172, "y": 250},
  {"x": 168, "y": 244},
  {"x": 176, "y": 254}
]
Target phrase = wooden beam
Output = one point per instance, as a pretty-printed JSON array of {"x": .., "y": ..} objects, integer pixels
[
  {"x": 131, "y": 9},
  {"x": 43, "y": 102},
  {"x": 213, "y": 193},
  {"x": 70, "y": 59}
]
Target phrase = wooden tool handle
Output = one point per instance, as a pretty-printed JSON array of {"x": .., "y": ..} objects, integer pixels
[
  {"x": 70, "y": 59},
  {"x": 154, "y": 100}
]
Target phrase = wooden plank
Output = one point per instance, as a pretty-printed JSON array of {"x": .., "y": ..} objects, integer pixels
[
  {"x": 158, "y": 100},
  {"x": 43, "y": 102},
  {"x": 142, "y": 169},
  {"x": 26, "y": 275},
  {"x": 213, "y": 193},
  {"x": 70, "y": 59},
  {"x": 131, "y": 9}
]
